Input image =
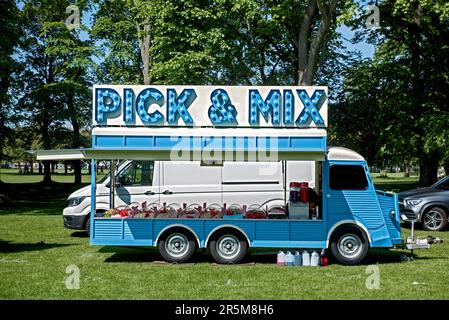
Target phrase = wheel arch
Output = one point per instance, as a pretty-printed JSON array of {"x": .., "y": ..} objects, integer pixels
[
  {"x": 223, "y": 227},
  {"x": 348, "y": 223},
  {"x": 430, "y": 205},
  {"x": 177, "y": 226}
]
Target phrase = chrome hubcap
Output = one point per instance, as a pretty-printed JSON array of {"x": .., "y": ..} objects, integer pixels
[
  {"x": 433, "y": 219},
  {"x": 177, "y": 245},
  {"x": 228, "y": 247},
  {"x": 350, "y": 246}
]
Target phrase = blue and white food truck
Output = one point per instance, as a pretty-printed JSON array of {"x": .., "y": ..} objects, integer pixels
[{"x": 226, "y": 168}]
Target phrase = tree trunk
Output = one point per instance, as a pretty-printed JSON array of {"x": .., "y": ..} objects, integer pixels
[
  {"x": 308, "y": 55},
  {"x": 144, "y": 45},
  {"x": 76, "y": 141},
  {"x": 77, "y": 171},
  {"x": 65, "y": 167},
  {"x": 40, "y": 167},
  {"x": 428, "y": 170},
  {"x": 446, "y": 169},
  {"x": 47, "y": 172}
]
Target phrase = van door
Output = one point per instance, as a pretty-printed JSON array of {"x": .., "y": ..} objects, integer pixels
[
  {"x": 138, "y": 182},
  {"x": 191, "y": 183},
  {"x": 351, "y": 195}
]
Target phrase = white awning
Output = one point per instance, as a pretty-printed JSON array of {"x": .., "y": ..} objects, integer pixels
[{"x": 60, "y": 154}]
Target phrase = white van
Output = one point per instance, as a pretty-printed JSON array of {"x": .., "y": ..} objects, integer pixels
[{"x": 190, "y": 182}]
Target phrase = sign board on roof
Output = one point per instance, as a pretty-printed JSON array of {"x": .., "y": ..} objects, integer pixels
[{"x": 210, "y": 106}]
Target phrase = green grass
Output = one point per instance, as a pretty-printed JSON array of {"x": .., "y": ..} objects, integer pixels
[
  {"x": 35, "y": 251},
  {"x": 13, "y": 176}
]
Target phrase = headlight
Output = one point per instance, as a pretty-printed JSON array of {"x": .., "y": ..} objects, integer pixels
[
  {"x": 72, "y": 202},
  {"x": 412, "y": 202}
]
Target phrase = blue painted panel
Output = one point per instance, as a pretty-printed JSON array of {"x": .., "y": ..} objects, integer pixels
[
  {"x": 136, "y": 142},
  {"x": 290, "y": 244},
  {"x": 272, "y": 230},
  {"x": 109, "y": 141},
  {"x": 106, "y": 242},
  {"x": 307, "y": 230},
  {"x": 197, "y": 226},
  {"x": 247, "y": 226},
  {"x": 138, "y": 229},
  {"x": 292, "y": 144}
]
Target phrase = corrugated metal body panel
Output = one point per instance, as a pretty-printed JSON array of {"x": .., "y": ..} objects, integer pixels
[
  {"x": 138, "y": 229},
  {"x": 388, "y": 203},
  {"x": 108, "y": 229},
  {"x": 360, "y": 204}
]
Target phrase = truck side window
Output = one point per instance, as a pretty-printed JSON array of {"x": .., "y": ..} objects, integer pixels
[
  {"x": 138, "y": 173},
  {"x": 348, "y": 177}
]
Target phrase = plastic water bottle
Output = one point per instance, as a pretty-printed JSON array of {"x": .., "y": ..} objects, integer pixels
[
  {"x": 314, "y": 259},
  {"x": 305, "y": 258},
  {"x": 280, "y": 259},
  {"x": 289, "y": 259},
  {"x": 298, "y": 260}
]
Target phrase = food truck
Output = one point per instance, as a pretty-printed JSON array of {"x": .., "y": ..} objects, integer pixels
[{"x": 226, "y": 168}]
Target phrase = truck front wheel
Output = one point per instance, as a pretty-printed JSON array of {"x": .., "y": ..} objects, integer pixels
[{"x": 349, "y": 245}]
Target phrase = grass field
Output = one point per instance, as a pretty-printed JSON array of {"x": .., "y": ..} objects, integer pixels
[{"x": 35, "y": 251}]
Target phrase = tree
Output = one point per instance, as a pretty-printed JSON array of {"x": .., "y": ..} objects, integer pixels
[
  {"x": 125, "y": 29},
  {"x": 11, "y": 32},
  {"x": 408, "y": 81},
  {"x": 55, "y": 82}
]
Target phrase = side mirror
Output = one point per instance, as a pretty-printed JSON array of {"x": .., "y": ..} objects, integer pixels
[{"x": 117, "y": 184}]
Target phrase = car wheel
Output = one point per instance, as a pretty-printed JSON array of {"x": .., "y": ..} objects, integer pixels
[
  {"x": 434, "y": 219},
  {"x": 88, "y": 226},
  {"x": 349, "y": 245},
  {"x": 228, "y": 247},
  {"x": 177, "y": 247}
]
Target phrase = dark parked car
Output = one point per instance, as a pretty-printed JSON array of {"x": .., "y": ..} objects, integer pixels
[{"x": 431, "y": 204}]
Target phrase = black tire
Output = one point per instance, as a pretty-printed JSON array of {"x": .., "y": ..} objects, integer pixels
[
  {"x": 349, "y": 245},
  {"x": 228, "y": 246},
  {"x": 88, "y": 226},
  {"x": 177, "y": 246},
  {"x": 434, "y": 219}
]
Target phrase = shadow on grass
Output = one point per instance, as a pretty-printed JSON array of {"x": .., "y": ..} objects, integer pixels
[
  {"x": 79, "y": 234},
  {"x": 11, "y": 247},
  {"x": 36, "y": 198},
  {"x": 261, "y": 257}
]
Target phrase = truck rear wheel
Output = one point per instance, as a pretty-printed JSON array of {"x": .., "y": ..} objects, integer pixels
[
  {"x": 349, "y": 245},
  {"x": 228, "y": 247},
  {"x": 177, "y": 247}
]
